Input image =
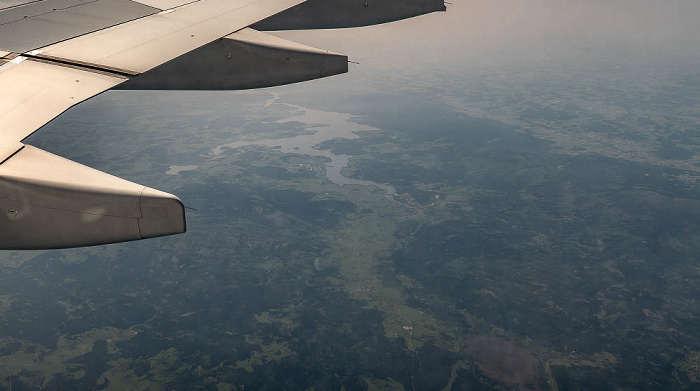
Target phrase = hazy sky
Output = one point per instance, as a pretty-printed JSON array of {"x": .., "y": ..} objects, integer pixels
[{"x": 473, "y": 27}]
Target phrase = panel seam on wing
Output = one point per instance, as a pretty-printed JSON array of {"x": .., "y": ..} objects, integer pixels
[{"x": 83, "y": 66}]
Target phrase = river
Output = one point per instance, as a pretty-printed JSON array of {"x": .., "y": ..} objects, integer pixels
[{"x": 325, "y": 126}]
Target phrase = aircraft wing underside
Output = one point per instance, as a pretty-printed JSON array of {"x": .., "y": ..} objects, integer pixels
[{"x": 55, "y": 54}]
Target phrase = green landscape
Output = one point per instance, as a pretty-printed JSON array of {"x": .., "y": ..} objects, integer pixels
[{"x": 543, "y": 234}]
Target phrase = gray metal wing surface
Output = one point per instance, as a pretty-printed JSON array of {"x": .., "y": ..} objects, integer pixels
[{"x": 55, "y": 54}]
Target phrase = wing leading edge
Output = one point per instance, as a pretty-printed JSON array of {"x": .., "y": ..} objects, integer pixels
[{"x": 50, "y": 202}]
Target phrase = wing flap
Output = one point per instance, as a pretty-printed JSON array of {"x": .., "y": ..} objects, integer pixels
[
  {"x": 145, "y": 43},
  {"x": 36, "y": 92}
]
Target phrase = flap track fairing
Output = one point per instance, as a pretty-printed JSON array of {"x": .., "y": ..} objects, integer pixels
[
  {"x": 243, "y": 60},
  {"x": 47, "y": 202}
]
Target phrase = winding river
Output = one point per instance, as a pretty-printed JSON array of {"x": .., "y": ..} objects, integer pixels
[{"x": 325, "y": 126}]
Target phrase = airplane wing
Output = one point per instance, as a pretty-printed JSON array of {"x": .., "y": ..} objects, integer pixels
[{"x": 55, "y": 54}]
